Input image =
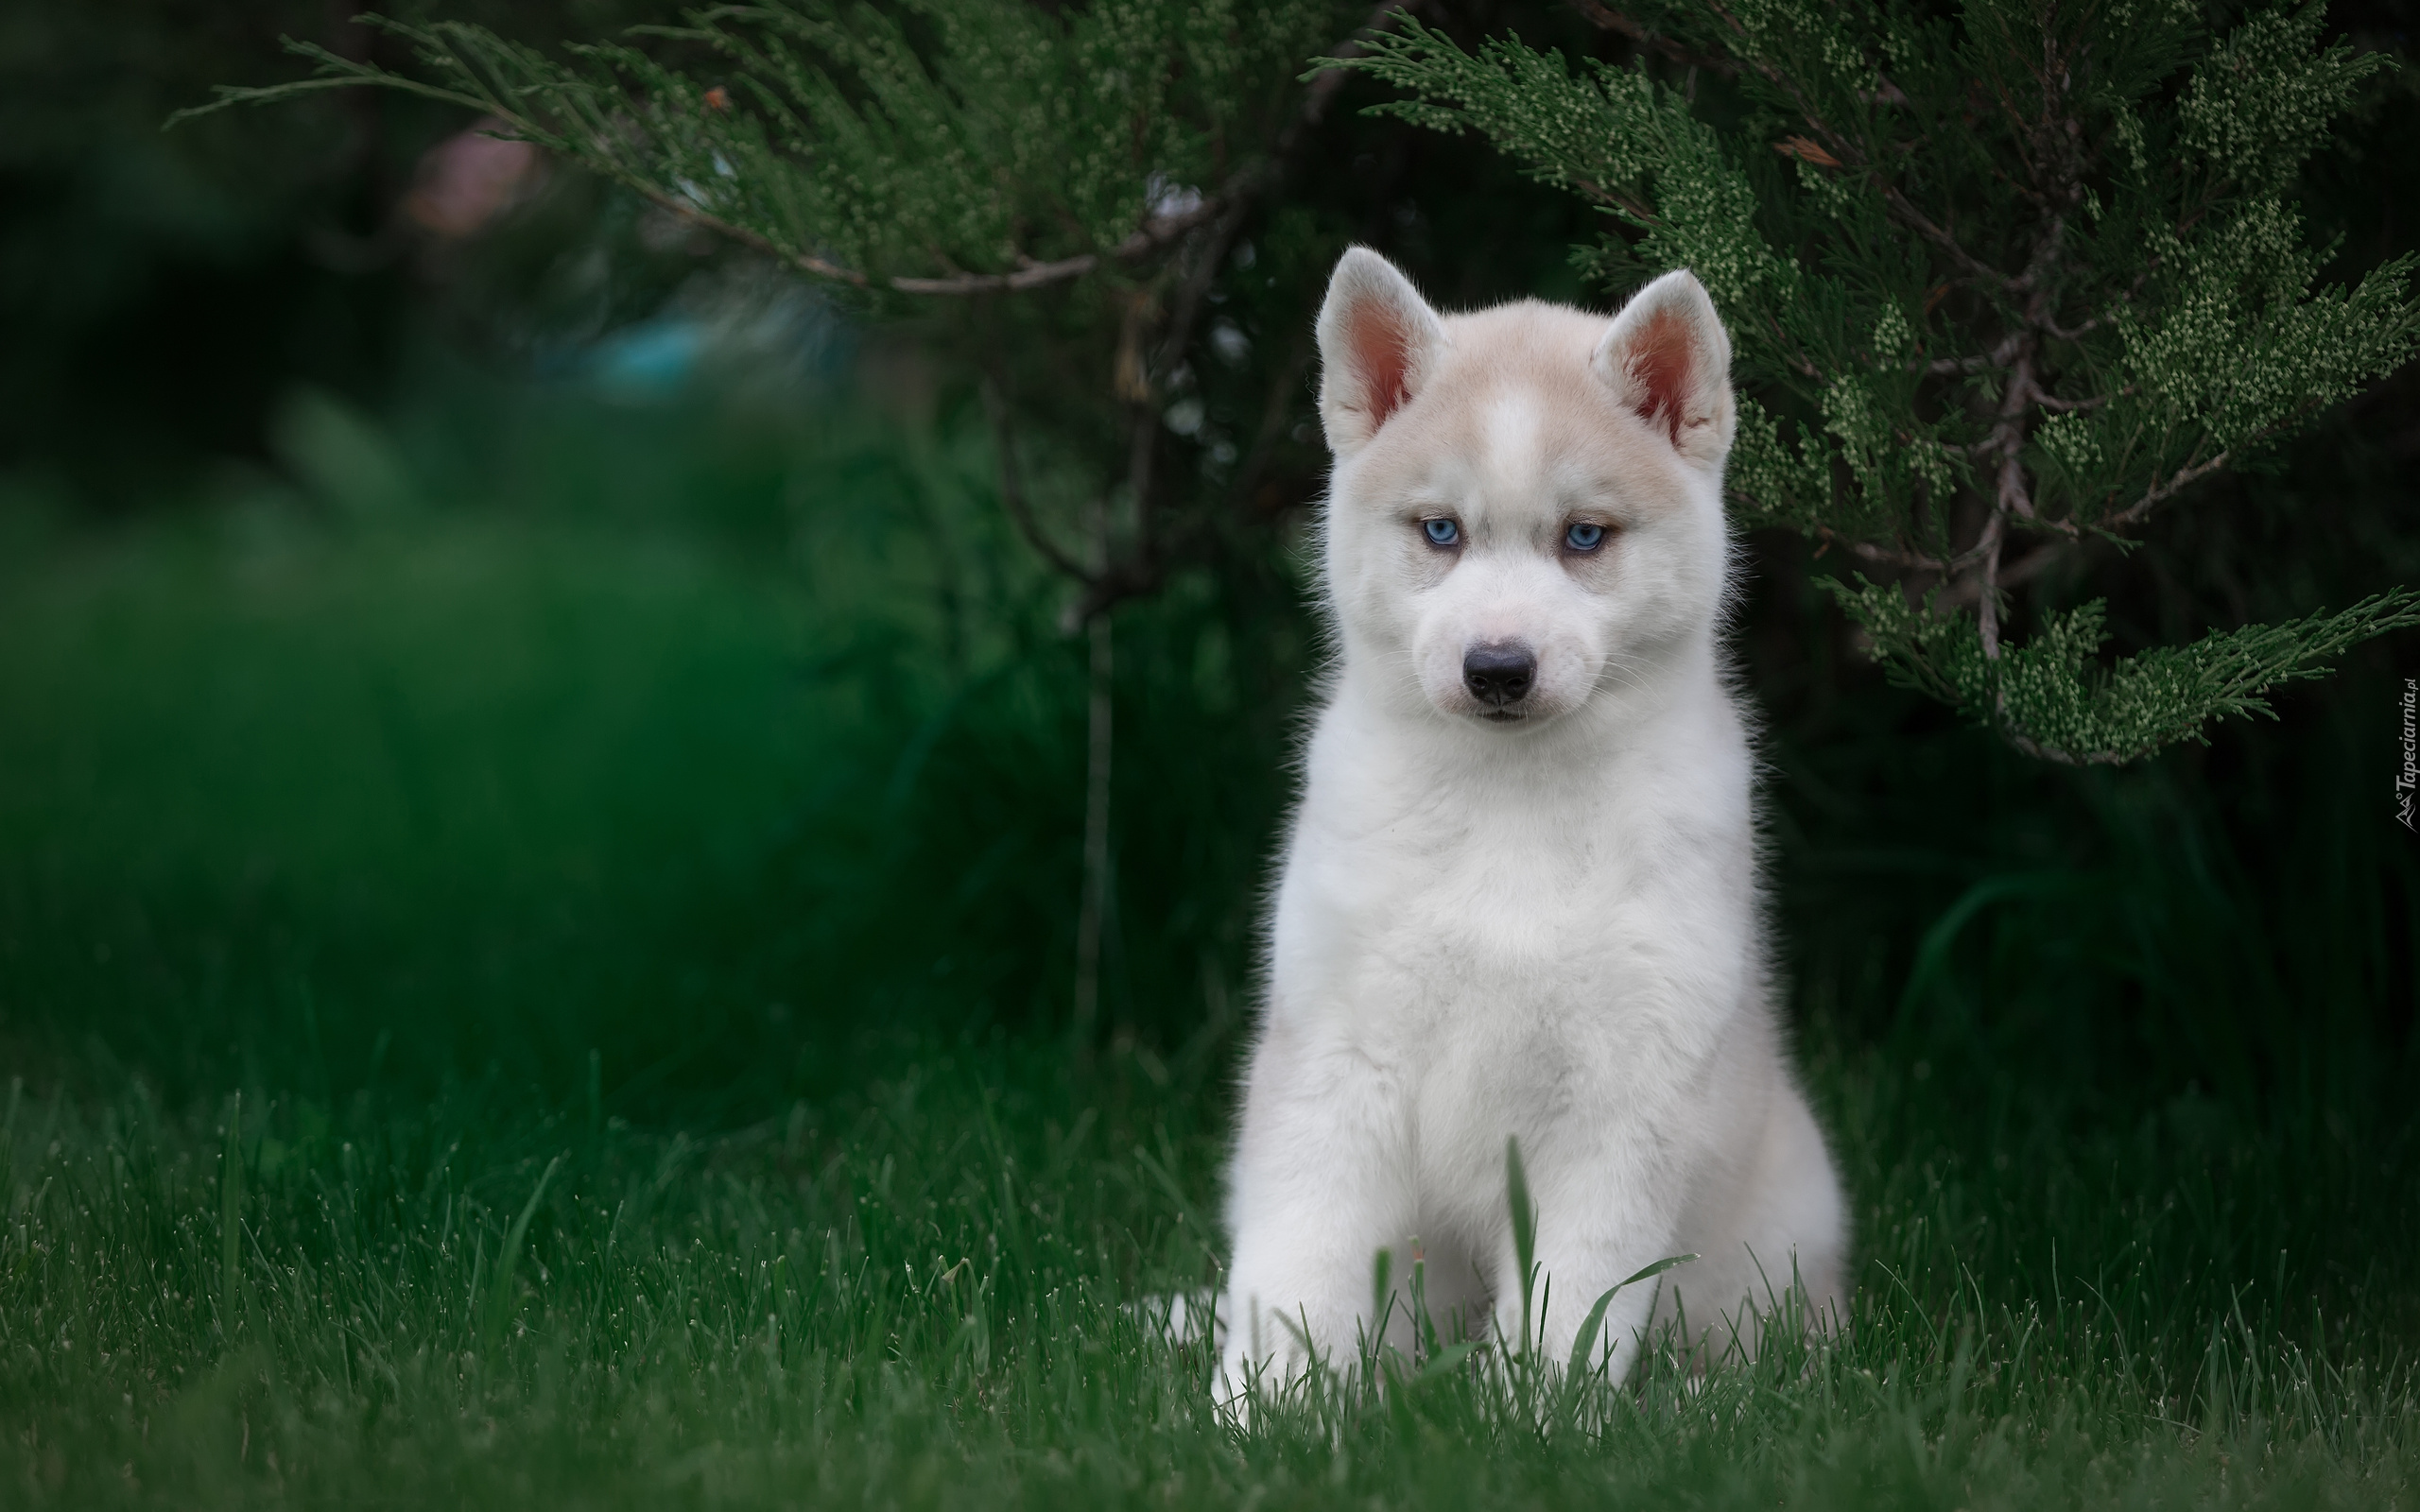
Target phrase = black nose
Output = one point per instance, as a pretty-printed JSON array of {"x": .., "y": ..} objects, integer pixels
[{"x": 1500, "y": 673}]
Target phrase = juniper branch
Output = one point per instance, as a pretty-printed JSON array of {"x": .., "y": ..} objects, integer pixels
[{"x": 2145, "y": 322}]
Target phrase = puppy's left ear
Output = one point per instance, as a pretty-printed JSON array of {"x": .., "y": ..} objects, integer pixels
[{"x": 1667, "y": 359}]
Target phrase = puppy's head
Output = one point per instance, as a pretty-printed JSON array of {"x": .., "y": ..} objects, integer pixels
[{"x": 1527, "y": 503}]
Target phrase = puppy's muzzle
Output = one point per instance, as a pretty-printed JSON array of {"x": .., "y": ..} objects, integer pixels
[{"x": 1499, "y": 675}]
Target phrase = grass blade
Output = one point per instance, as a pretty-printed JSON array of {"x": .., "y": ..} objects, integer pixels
[
  {"x": 1583, "y": 1346},
  {"x": 1445, "y": 1362},
  {"x": 507, "y": 1258},
  {"x": 230, "y": 1223},
  {"x": 1525, "y": 1228}
]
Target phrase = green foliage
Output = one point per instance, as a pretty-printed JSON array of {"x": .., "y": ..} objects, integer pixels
[
  {"x": 1602, "y": 133},
  {"x": 938, "y": 140},
  {"x": 2028, "y": 274},
  {"x": 2053, "y": 692}
]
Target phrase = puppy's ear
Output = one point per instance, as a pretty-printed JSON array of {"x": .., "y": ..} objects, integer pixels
[
  {"x": 1378, "y": 343},
  {"x": 1668, "y": 361}
]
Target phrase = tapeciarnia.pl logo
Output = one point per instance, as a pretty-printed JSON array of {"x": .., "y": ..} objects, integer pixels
[{"x": 2408, "y": 781}]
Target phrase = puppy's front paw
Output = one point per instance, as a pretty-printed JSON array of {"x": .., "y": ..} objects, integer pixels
[{"x": 1261, "y": 1359}]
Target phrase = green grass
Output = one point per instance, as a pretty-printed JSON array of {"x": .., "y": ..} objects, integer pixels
[{"x": 552, "y": 1005}]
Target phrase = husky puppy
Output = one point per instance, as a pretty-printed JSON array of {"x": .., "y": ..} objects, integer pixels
[{"x": 1519, "y": 898}]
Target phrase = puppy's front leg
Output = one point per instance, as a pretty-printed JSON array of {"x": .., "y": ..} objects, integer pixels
[
  {"x": 1319, "y": 1186},
  {"x": 1605, "y": 1212}
]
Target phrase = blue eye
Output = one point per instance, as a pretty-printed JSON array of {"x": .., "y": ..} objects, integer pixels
[
  {"x": 1442, "y": 532},
  {"x": 1582, "y": 536}
]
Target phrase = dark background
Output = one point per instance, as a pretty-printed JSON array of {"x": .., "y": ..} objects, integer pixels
[{"x": 2214, "y": 947}]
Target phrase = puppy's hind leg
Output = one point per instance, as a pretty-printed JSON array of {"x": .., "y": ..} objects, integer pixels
[{"x": 1779, "y": 1225}]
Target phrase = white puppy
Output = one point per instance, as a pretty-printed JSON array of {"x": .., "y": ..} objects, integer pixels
[{"x": 1520, "y": 896}]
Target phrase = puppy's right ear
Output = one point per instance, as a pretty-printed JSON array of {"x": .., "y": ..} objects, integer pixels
[{"x": 1378, "y": 343}]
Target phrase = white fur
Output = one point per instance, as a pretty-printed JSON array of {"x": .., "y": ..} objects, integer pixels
[{"x": 1545, "y": 928}]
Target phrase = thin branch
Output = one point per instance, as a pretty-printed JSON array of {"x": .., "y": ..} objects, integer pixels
[
  {"x": 1894, "y": 555},
  {"x": 1012, "y": 491},
  {"x": 1196, "y": 287},
  {"x": 1273, "y": 410},
  {"x": 1628, "y": 204},
  {"x": 2072, "y": 406},
  {"x": 804, "y": 262},
  {"x": 2028, "y": 745},
  {"x": 2009, "y": 494},
  {"x": 1032, "y": 275},
  {"x": 1155, "y": 234},
  {"x": 1099, "y": 748},
  {"x": 2160, "y": 492},
  {"x": 2024, "y": 570},
  {"x": 1987, "y": 589},
  {"x": 1608, "y": 19},
  {"x": 1881, "y": 555},
  {"x": 1940, "y": 236},
  {"x": 1142, "y": 459}
]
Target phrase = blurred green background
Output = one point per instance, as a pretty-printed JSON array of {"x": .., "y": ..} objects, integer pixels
[
  {"x": 575, "y": 623},
  {"x": 566, "y": 670}
]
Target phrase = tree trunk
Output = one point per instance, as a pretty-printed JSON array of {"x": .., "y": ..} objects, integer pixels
[{"x": 1089, "y": 918}]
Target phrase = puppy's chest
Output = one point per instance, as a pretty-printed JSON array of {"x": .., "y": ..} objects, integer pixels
[{"x": 1438, "y": 926}]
